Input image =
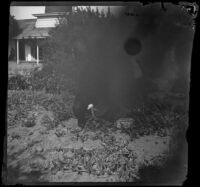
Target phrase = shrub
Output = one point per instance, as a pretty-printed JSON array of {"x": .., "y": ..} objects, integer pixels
[
  {"x": 160, "y": 112},
  {"x": 69, "y": 48},
  {"x": 46, "y": 79},
  {"x": 41, "y": 79},
  {"x": 20, "y": 103},
  {"x": 81, "y": 37},
  {"x": 18, "y": 82}
]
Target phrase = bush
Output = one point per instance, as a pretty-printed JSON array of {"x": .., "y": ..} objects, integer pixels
[
  {"x": 18, "y": 82},
  {"x": 20, "y": 103},
  {"x": 81, "y": 37},
  {"x": 46, "y": 79},
  {"x": 159, "y": 112},
  {"x": 69, "y": 48}
]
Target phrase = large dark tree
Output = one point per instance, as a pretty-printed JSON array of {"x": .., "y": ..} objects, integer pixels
[{"x": 113, "y": 61}]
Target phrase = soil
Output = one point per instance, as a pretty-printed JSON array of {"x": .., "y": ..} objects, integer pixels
[{"x": 65, "y": 153}]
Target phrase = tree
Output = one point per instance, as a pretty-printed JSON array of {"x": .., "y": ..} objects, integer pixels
[
  {"x": 73, "y": 41},
  {"x": 14, "y": 29},
  {"x": 87, "y": 37}
]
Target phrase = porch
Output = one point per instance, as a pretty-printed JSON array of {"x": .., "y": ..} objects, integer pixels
[{"x": 29, "y": 50}]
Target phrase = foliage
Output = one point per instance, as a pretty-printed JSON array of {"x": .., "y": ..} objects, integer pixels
[
  {"x": 111, "y": 155},
  {"x": 86, "y": 37},
  {"x": 64, "y": 50},
  {"x": 64, "y": 150},
  {"x": 157, "y": 112},
  {"x": 69, "y": 48},
  {"x": 18, "y": 82},
  {"x": 13, "y": 27},
  {"x": 46, "y": 79},
  {"x": 21, "y": 103},
  {"x": 38, "y": 80}
]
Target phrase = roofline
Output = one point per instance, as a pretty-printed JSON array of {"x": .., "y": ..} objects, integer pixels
[
  {"x": 29, "y": 37},
  {"x": 33, "y": 19},
  {"x": 51, "y": 14}
]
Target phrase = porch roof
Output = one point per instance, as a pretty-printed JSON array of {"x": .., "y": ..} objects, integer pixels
[{"x": 29, "y": 31}]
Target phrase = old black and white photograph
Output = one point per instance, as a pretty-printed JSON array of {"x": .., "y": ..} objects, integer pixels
[{"x": 98, "y": 92}]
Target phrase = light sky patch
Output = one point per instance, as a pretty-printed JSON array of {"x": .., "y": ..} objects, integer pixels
[{"x": 25, "y": 12}]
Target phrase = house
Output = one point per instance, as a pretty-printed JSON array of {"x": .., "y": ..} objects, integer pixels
[{"x": 26, "y": 46}]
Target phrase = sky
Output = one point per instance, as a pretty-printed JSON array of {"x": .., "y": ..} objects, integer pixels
[{"x": 25, "y": 12}]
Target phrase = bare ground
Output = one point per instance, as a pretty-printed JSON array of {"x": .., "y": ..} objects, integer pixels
[{"x": 104, "y": 153}]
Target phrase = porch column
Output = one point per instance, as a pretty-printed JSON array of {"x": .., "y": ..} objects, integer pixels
[
  {"x": 37, "y": 54},
  {"x": 17, "y": 51}
]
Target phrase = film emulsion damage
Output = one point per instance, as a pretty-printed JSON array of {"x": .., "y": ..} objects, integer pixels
[{"x": 103, "y": 96}]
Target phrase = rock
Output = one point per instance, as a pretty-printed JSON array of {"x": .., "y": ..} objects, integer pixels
[
  {"x": 29, "y": 123},
  {"x": 72, "y": 124},
  {"x": 37, "y": 162},
  {"x": 124, "y": 123}
]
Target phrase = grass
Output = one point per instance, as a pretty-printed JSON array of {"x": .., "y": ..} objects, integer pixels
[{"x": 14, "y": 68}]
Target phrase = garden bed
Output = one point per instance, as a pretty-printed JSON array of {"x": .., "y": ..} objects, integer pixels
[{"x": 45, "y": 144}]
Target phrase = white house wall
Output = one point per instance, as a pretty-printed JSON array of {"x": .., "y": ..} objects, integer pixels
[{"x": 46, "y": 22}]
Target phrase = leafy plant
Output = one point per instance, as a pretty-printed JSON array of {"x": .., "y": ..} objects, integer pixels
[
  {"x": 18, "y": 82},
  {"x": 21, "y": 102}
]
